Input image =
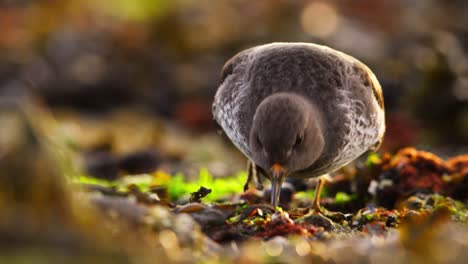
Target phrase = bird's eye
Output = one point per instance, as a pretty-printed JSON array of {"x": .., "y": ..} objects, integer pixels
[{"x": 299, "y": 140}]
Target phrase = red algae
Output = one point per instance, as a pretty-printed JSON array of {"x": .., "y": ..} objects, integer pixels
[
  {"x": 458, "y": 165},
  {"x": 272, "y": 229},
  {"x": 410, "y": 171}
]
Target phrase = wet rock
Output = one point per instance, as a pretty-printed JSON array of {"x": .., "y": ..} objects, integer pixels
[
  {"x": 206, "y": 216},
  {"x": 212, "y": 221},
  {"x": 182, "y": 228},
  {"x": 209, "y": 217},
  {"x": 122, "y": 208},
  {"x": 226, "y": 234},
  {"x": 102, "y": 165},
  {"x": 190, "y": 234},
  {"x": 143, "y": 161}
]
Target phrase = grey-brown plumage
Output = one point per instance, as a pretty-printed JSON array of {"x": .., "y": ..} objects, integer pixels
[{"x": 307, "y": 108}]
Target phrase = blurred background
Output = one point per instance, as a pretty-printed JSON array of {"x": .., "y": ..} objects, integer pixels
[
  {"x": 117, "y": 88},
  {"x": 124, "y": 76}
]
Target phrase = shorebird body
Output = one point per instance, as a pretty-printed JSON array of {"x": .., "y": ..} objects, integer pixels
[{"x": 270, "y": 91}]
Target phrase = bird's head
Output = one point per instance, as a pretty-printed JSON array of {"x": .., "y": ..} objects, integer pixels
[{"x": 286, "y": 136}]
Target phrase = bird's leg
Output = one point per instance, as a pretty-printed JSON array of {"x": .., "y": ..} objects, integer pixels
[
  {"x": 318, "y": 190},
  {"x": 259, "y": 177},
  {"x": 316, "y": 215},
  {"x": 250, "y": 174},
  {"x": 255, "y": 174}
]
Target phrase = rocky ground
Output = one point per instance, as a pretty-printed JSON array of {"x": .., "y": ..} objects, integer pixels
[{"x": 409, "y": 206}]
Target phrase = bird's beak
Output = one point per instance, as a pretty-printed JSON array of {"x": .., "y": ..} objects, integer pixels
[{"x": 278, "y": 174}]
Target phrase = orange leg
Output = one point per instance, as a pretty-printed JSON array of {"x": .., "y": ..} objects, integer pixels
[{"x": 318, "y": 190}]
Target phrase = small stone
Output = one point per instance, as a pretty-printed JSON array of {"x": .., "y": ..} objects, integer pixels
[
  {"x": 143, "y": 161},
  {"x": 102, "y": 165}
]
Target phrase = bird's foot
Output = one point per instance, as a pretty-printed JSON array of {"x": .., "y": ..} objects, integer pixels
[
  {"x": 324, "y": 218},
  {"x": 317, "y": 219},
  {"x": 317, "y": 210}
]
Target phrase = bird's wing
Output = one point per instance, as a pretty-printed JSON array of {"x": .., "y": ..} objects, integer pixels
[
  {"x": 226, "y": 103},
  {"x": 375, "y": 85},
  {"x": 369, "y": 80},
  {"x": 367, "y": 76},
  {"x": 225, "y": 90}
]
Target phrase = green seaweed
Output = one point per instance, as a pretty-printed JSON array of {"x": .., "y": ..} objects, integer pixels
[
  {"x": 84, "y": 179},
  {"x": 372, "y": 159},
  {"x": 342, "y": 197},
  {"x": 177, "y": 186}
]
